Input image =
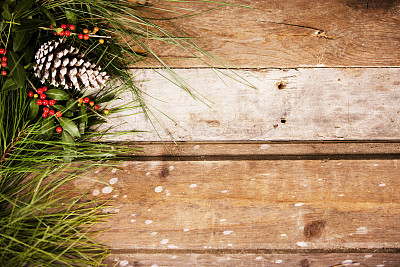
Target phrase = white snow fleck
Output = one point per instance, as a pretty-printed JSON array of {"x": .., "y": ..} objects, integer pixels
[
  {"x": 298, "y": 204},
  {"x": 164, "y": 241},
  {"x": 229, "y": 245},
  {"x": 362, "y": 230},
  {"x": 380, "y": 265},
  {"x": 115, "y": 196},
  {"x": 341, "y": 195},
  {"x": 193, "y": 185},
  {"x": 259, "y": 258},
  {"x": 123, "y": 263},
  {"x": 376, "y": 165},
  {"x": 264, "y": 146},
  {"x": 283, "y": 235},
  {"x": 148, "y": 209},
  {"x": 278, "y": 261},
  {"x": 172, "y": 246},
  {"x": 154, "y": 265},
  {"x": 186, "y": 230},
  {"x": 107, "y": 190},
  {"x": 347, "y": 262},
  {"x": 148, "y": 173},
  {"x": 228, "y": 258},
  {"x": 339, "y": 164},
  {"x": 96, "y": 192},
  {"x": 154, "y": 233},
  {"x": 228, "y": 232},
  {"x": 302, "y": 244},
  {"x": 133, "y": 215},
  {"x": 113, "y": 180},
  {"x": 196, "y": 147},
  {"x": 382, "y": 184},
  {"x": 158, "y": 189},
  {"x": 113, "y": 170},
  {"x": 117, "y": 210},
  {"x": 368, "y": 256},
  {"x": 97, "y": 171},
  {"x": 222, "y": 220},
  {"x": 125, "y": 196},
  {"x": 171, "y": 168},
  {"x": 148, "y": 222},
  {"x": 224, "y": 191},
  {"x": 174, "y": 257},
  {"x": 133, "y": 220}
]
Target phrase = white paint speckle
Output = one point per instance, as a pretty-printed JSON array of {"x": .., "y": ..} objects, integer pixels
[
  {"x": 266, "y": 174},
  {"x": 222, "y": 220},
  {"x": 278, "y": 261},
  {"x": 376, "y": 165},
  {"x": 113, "y": 170},
  {"x": 113, "y": 180},
  {"x": 172, "y": 247},
  {"x": 224, "y": 191},
  {"x": 125, "y": 196},
  {"x": 164, "y": 241},
  {"x": 341, "y": 195},
  {"x": 115, "y": 196},
  {"x": 148, "y": 222},
  {"x": 116, "y": 259},
  {"x": 96, "y": 171},
  {"x": 158, "y": 189},
  {"x": 154, "y": 265},
  {"x": 167, "y": 193},
  {"x": 347, "y": 262},
  {"x": 171, "y": 168},
  {"x": 339, "y": 164},
  {"x": 229, "y": 245},
  {"x": 320, "y": 179},
  {"x": 362, "y": 230},
  {"x": 284, "y": 235},
  {"x": 382, "y": 185},
  {"x": 193, "y": 185},
  {"x": 96, "y": 192},
  {"x": 133, "y": 215},
  {"x": 259, "y": 258},
  {"x": 133, "y": 220},
  {"x": 174, "y": 257},
  {"x": 298, "y": 204},
  {"x": 148, "y": 209},
  {"x": 264, "y": 146},
  {"x": 186, "y": 230},
  {"x": 380, "y": 265},
  {"x": 228, "y": 258},
  {"x": 154, "y": 233},
  {"x": 228, "y": 232},
  {"x": 116, "y": 210},
  {"x": 123, "y": 263},
  {"x": 107, "y": 190},
  {"x": 196, "y": 147},
  {"x": 148, "y": 173},
  {"x": 302, "y": 244}
]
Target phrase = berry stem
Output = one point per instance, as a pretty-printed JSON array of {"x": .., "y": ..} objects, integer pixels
[{"x": 74, "y": 33}]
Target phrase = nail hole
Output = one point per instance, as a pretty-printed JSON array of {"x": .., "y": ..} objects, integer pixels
[
  {"x": 283, "y": 120},
  {"x": 281, "y": 85}
]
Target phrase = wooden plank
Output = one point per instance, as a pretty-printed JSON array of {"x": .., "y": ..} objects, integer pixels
[
  {"x": 268, "y": 260},
  {"x": 312, "y": 104},
  {"x": 291, "y": 33},
  {"x": 265, "y": 150},
  {"x": 252, "y": 205}
]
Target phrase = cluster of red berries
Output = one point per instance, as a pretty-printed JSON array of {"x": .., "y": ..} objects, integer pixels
[
  {"x": 3, "y": 61},
  {"x": 86, "y": 100},
  {"x": 65, "y": 29},
  {"x": 46, "y": 103}
]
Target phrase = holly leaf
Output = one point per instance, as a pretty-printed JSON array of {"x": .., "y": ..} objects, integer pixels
[
  {"x": 71, "y": 17},
  {"x": 17, "y": 70},
  {"x": 57, "y": 94},
  {"x": 47, "y": 128},
  {"x": 69, "y": 126},
  {"x": 9, "y": 85},
  {"x": 83, "y": 119},
  {"x": 22, "y": 7},
  {"x": 48, "y": 15},
  {"x": 21, "y": 40},
  {"x": 33, "y": 109},
  {"x": 6, "y": 12},
  {"x": 71, "y": 105},
  {"x": 68, "y": 145}
]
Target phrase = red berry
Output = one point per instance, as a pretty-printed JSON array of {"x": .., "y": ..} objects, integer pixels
[
  {"x": 2, "y": 51},
  {"x": 52, "y": 112},
  {"x": 67, "y": 33},
  {"x": 46, "y": 110},
  {"x": 52, "y": 102},
  {"x": 44, "y": 115},
  {"x": 59, "y": 129},
  {"x": 63, "y": 26},
  {"x": 80, "y": 100},
  {"x": 39, "y": 102},
  {"x": 58, "y": 114},
  {"x": 39, "y": 91},
  {"x": 91, "y": 103},
  {"x": 30, "y": 94},
  {"x": 55, "y": 33},
  {"x": 4, "y": 73},
  {"x": 61, "y": 33},
  {"x": 86, "y": 37},
  {"x": 45, "y": 102},
  {"x": 86, "y": 100},
  {"x": 44, "y": 88},
  {"x": 72, "y": 27},
  {"x": 80, "y": 36},
  {"x": 4, "y": 64},
  {"x": 51, "y": 26},
  {"x": 4, "y": 59},
  {"x": 96, "y": 107},
  {"x": 85, "y": 31},
  {"x": 106, "y": 111},
  {"x": 42, "y": 96}
]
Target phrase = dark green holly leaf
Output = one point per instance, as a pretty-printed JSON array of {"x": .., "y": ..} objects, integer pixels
[
  {"x": 22, "y": 7},
  {"x": 11, "y": 2},
  {"x": 33, "y": 109},
  {"x": 9, "y": 85},
  {"x": 47, "y": 128},
  {"x": 68, "y": 145},
  {"x": 29, "y": 25},
  {"x": 48, "y": 15},
  {"x": 71, "y": 17},
  {"x": 28, "y": 56},
  {"x": 83, "y": 119},
  {"x": 69, "y": 126},
  {"x": 17, "y": 71},
  {"x": 6, "y": 12},
  {"x": 21, "y": 40},
  {"x": 57, "y": 94},
  {"x": 71, "y": 105}
]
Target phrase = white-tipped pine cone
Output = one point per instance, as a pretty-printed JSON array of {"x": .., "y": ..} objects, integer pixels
[{"x": 62, "y": 65}]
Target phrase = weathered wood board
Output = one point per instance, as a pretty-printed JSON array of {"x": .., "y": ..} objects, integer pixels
[
  {"x": 290, "y": 34},
  {"x": 312, "y": 104}
]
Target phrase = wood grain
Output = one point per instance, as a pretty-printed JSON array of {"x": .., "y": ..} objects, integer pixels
[
  {"x": 261, "y": 260},
  {"x": 291, "y": 33},
  {"x": 252, "y": 205},
  {"x": 313, "y": 104}
]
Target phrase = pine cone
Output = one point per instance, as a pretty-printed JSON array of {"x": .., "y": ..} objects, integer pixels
[{"x": 63, "y": 65}]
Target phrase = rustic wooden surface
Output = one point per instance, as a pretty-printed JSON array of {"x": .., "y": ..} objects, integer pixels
[{"x": 301, "y": 172}]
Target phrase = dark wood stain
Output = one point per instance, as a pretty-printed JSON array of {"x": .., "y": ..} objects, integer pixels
[{"x": 314, "y": 229}]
